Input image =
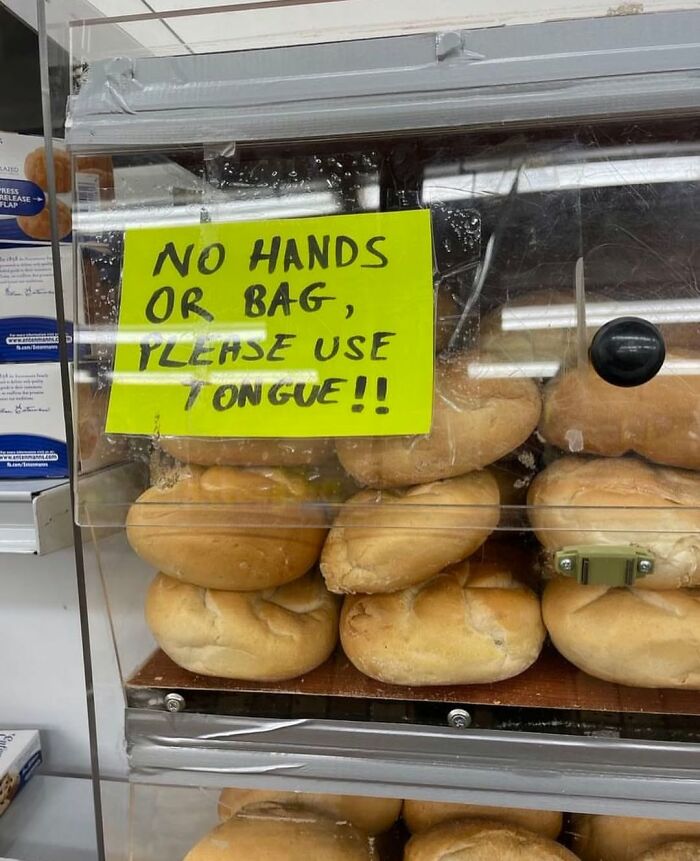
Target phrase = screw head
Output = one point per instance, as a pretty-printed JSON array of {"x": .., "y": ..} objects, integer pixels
[
  {"x": 645, "y": 566},
  {"x": 174, "y": 702},
  {"x": 566, "y": 564},
  {"x": 459, "y": 718}
]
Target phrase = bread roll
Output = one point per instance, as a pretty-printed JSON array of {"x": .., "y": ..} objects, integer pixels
[
  {"x": 482, "y": 840},
  {"x": 476, "y": 421},
  {"x": 264, "y": 636},
  {"x": 228, "y": 528},
  {"x": 658, "y": 420},
  {"x": 269, "y": 833},
  {"x": 473, "y": 623},
  {"x": 228, "y": 451},
  {"x": 383, "y": 541},
  {"x": 421, "y": 815},
  {"x": 625, "y": 838},
  {"x": 629, "y": 636},
  {"x": 680, "y": 850},
  {"x": 371, "y": 815},
  {"x": 591, "y": 501}
]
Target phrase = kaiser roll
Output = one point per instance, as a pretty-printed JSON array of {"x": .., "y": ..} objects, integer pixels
[
  {"x": 625, "y": 838},
  {"x": 228, "y": 528},
  {"x": 659, "y": 419},
  {"x": 679, "y": 850},
  {"x": 476, "y": 420},
  {"x": 228, "y": 451},
  {"x": 482, "y": 840},
  {"x": 387, "y": 540},
  {"x": 472, "y": 623},
  {"x": 614, "y": 501},
  {"x": 264, "y": 636},
  {"x": 633, "y": 637},
  {"x": 371, "y": 815},
  {"x": 420, "y": 815},
  {"x": 272, "y": 833}
]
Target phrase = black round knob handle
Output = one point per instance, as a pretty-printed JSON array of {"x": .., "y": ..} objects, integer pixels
[{"x": 628, "y": 351}]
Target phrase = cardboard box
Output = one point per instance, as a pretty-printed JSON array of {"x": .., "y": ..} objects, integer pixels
[
  {"x": 28, "y": 330},
  {"x": 32, "y": 428},
  {"x": 20, "y": 756}
]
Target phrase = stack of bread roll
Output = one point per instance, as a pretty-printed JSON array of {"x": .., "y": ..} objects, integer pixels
[
  {"x": 236, "y": 531},
  {"x": 420, "y": 609},
  {"x": 646, "y": 635},
  {"x": 277, "y": 825},
  {"x": 625, "y": 475},
  {"x": 283, "y": 825},
  {"x": 237, "y": 528},
  {"x": 237, "y": 594}
]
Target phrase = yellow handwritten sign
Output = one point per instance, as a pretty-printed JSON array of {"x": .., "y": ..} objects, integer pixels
[{"x": 295, "y": 327}]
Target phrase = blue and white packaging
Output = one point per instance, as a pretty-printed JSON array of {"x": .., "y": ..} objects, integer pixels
[
  {"x": 32, "y": 429},
  {"x": 28, "y": 329},
  {"x": 20, "y": 756}
]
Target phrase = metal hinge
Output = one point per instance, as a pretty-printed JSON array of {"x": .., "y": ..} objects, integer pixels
[{"x": 604, "y": 565}]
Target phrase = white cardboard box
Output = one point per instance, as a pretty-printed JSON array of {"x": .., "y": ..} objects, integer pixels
[
  {"x": 28, "y": 331},
  {"x": 32, "y": 428},
  {"x": 20, "y": 756}
]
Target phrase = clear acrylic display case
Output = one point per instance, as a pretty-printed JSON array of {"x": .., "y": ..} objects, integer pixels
[{"x": 507, "y": 603}]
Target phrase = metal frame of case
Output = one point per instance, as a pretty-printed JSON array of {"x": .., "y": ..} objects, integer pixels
[
  {"x": 509, "y": 768},
  {"x": 624, "y": 66},
  {"x": 621, "y": 67}
]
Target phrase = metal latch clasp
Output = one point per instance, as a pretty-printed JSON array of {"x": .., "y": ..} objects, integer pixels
[{"x": 604, "y": 565}]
